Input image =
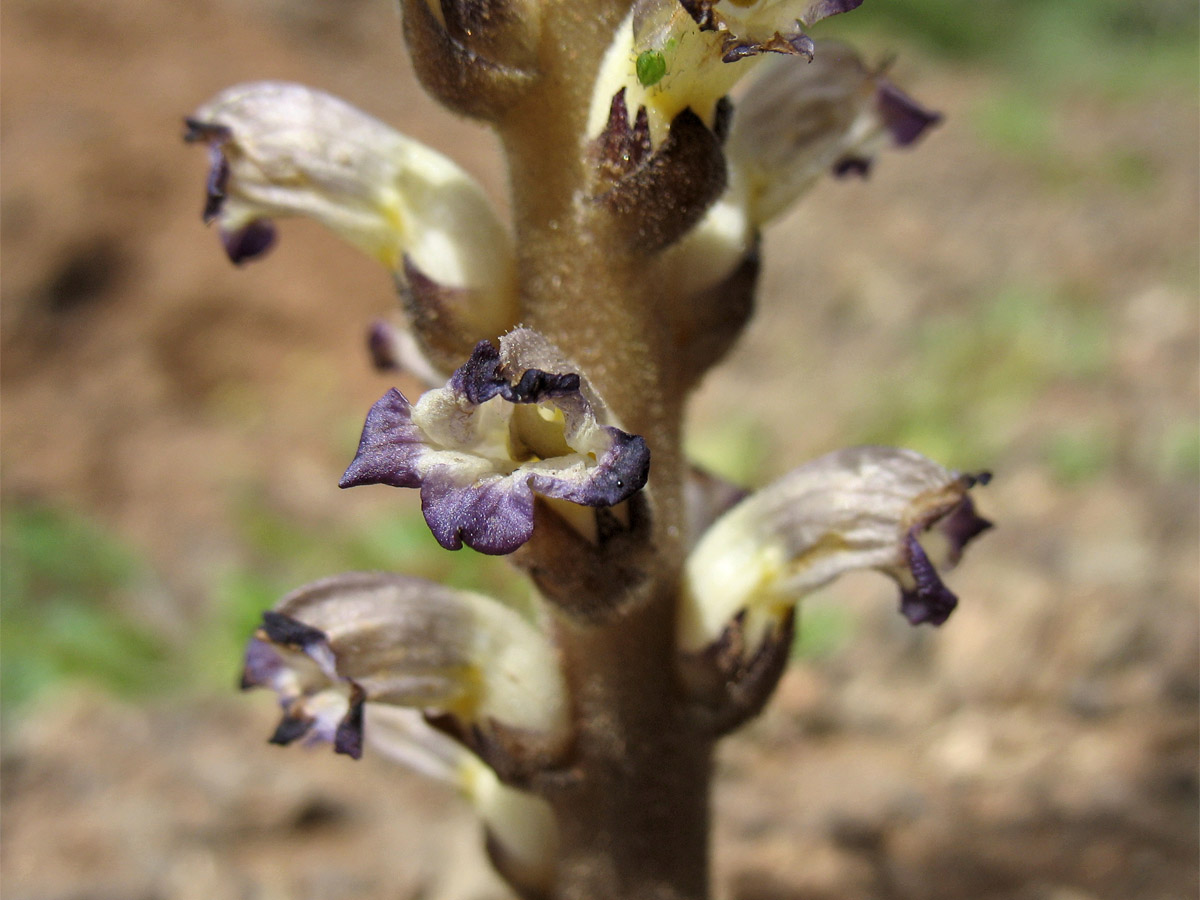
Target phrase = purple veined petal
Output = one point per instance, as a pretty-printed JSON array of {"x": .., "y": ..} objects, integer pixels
[
  {"x": 390, "y": 448},
  {"x": 282, "y": 629},
  {"x": 609, "y": 482},
  {"x": 929, "y": 600},
  {"x": 823, "y": 9},
  {"x": 335, "y": 646},
  {"x": 493, "y": 516},
  {"x": 214, "y": 185},
  {"x": 278, "y": 150},
  {"x": 480, "y": 379},
  {"x": 348, "y": 737},
  {"x": 797, "y": 123}
]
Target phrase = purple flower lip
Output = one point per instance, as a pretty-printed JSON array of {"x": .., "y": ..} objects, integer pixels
[
  {"x": 251, "y": 240},
  {"x": 217, "y": 182},
  {"x": 930, "y": 601},
  {"x": 498, "y": 433}
]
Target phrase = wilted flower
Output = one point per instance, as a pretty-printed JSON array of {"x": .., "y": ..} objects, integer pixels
[
  {"x": 279, "y": 149},
  {"x": 333, "y": 646},
  {"x": 510, "y": 423},
  {"x": 855, "y": 509}
]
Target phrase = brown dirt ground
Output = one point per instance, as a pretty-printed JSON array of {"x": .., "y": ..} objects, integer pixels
[{"x": 1042, "y": 746}]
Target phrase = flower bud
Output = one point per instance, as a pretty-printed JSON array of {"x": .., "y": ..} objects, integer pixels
[
  {"x": 476, "y": 56},
  {"x": 855, "y": 509},
  {"x": 798, "y": 122}
]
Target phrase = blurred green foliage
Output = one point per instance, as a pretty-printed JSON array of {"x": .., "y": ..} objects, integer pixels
[
  {"x": 736, "y": 448},
  {"x": 1118, "y": 46},
  {"x": 63, "y": 586},
  {"x": 67, "y": 590},
  {"x": 1079, "y": 454},
  {"x": 970, "y": 375},
  {"x": 821, "y": 630}
]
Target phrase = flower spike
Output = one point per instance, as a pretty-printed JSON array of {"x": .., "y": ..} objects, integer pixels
[
  {"x": 861, "y": 508},
  {"x": 501, "y": 430}
]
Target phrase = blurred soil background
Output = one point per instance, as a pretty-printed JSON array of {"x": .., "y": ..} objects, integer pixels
[{"x": 1019, "y": 293}]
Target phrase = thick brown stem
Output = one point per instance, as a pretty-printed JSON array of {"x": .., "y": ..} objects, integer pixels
[
  {"x": 634, "y": 818},
  {"x": 633, "y": 814}
]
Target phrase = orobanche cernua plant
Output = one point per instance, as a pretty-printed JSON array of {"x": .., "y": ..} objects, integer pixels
[{"x": 559, "y": 352}]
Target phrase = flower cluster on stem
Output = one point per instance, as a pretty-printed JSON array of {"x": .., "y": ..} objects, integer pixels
[{"x": 559, "y": 350}]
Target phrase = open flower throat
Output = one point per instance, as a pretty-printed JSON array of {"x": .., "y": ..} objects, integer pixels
[{"x": 501, "y": 430}]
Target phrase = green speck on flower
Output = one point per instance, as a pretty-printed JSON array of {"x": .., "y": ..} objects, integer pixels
[{"x": 651, "y": 67}]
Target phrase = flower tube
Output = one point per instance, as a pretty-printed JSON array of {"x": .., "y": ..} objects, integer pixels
[
  {"x": 855, "y": 509},
  {"x": 279, "y": 149},
  {"x": 337, "y": 645}
]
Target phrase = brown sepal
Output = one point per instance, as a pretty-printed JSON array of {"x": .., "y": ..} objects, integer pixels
[
  {"x": 455, "y": 74},
  {"x": 727, "y": 688},
  {"x": 430, "y": 308},
  {"x": 656, "y": 198},
  {"x": 713, "y": 320},
  {"x": 589, "y": 582},
  {"x": 621, "y": 148},
  {"x": 517, "y": 756},
  {"x": 496, "y": 30}
]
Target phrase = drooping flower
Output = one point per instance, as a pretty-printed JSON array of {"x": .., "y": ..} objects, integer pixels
[
  {"x": 279, "y": 149},
  {"x": 509, "y": 424},
  {"x": 855, "y": 509},
  {"x": 336, "y": 646},
  {"x": 802, "y": 121}
]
